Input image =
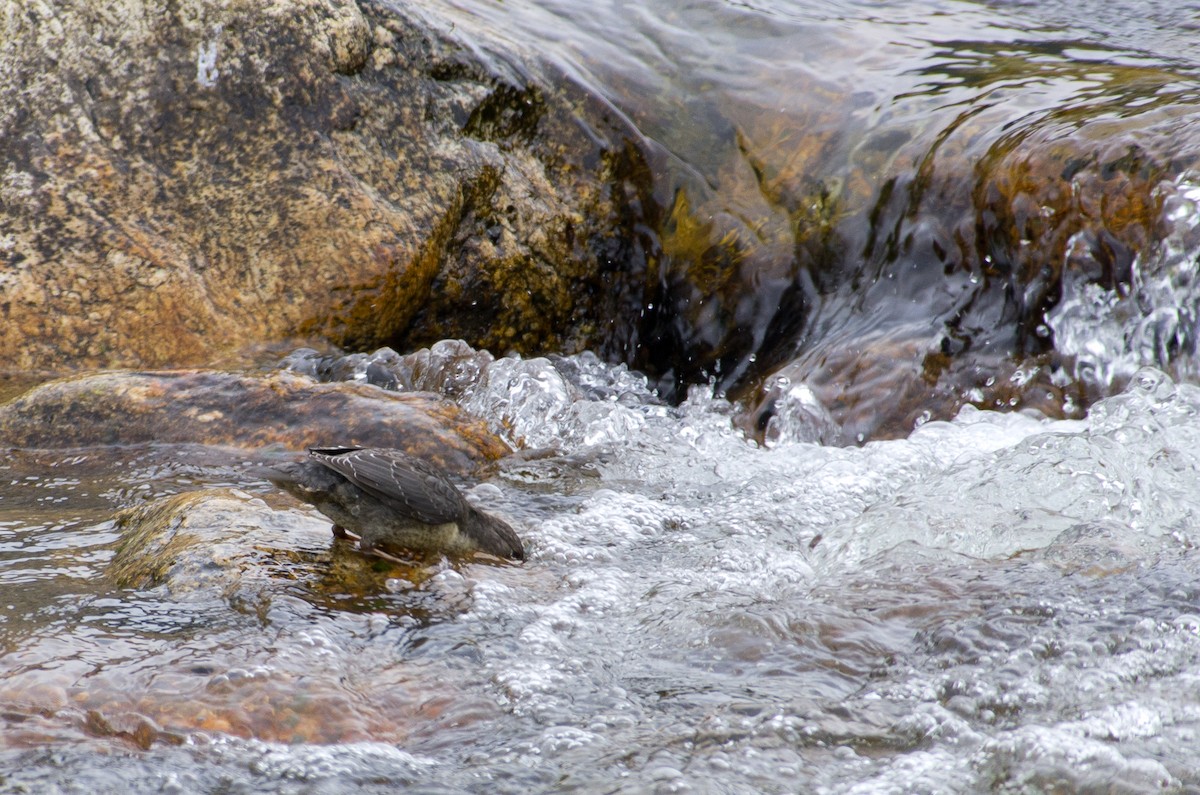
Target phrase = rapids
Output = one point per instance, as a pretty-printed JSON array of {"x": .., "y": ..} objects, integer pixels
[{"x": 995, "y": 602}]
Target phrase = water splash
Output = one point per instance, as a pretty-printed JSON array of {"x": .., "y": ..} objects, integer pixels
[
  {"x": 1151, "y": 321},
  {"x": 553, "y": 402}
]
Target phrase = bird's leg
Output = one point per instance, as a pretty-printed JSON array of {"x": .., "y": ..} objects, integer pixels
[
  {"x": 381, "y": 554},
  {"x": 369, "y": 548}
]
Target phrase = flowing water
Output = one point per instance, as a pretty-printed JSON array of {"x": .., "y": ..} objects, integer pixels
[
  {"x": 894, "y": 202},
  {"x": 1000, "y": 602},
  {"x": 995, "y": 602}
]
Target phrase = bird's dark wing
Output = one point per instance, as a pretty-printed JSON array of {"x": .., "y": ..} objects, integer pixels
[{"x": 409, "y": 485}]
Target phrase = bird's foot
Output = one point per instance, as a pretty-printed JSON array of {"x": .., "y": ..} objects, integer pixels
[{"x": 341, "y": 532}]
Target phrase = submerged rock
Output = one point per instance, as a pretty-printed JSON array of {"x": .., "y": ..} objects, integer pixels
[
  {"x": 210, "y": 541},
  {"x": 933, "y": 272},
  {"x": 884, "y": 389},
  {"x": 235, "y": 560}
]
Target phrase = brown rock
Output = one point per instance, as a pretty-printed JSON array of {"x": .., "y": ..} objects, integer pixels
[
  {"x": 220, "y": 542},
  {"x": 884, "y": 389},
  {"x": 216, "y": 408},
  {"x": 181, "y": 178}
]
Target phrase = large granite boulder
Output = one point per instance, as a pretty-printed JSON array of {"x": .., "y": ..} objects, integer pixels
[{"x": 181, "y": 178}]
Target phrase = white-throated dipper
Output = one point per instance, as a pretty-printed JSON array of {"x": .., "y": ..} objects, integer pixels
[{"x": 390, "y": 500}]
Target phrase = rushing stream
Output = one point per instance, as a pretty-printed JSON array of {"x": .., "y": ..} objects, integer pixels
[
  {"x": 998, "y": 602},
  {"x": 994, "y": 602}
]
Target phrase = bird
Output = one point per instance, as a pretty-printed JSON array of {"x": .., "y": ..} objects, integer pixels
[{"x": 388, "y": 499}]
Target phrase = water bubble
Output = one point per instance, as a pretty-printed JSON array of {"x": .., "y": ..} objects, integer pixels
[{"x": 798, "y": 416}]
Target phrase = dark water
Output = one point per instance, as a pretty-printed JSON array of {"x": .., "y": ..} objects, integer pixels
[{"x": 1002, "y": 602}]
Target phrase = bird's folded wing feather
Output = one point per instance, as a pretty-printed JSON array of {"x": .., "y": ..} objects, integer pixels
[{"x": 407, "y": 484}]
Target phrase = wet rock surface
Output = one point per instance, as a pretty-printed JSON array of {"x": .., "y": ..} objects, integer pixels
[
  {"x": 235, "y": 567},
  {"x": 245, "y": 411}
]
